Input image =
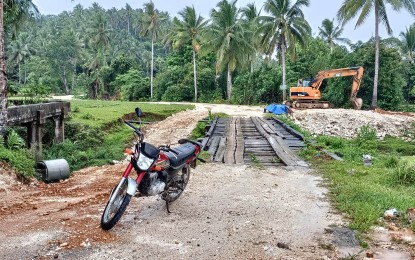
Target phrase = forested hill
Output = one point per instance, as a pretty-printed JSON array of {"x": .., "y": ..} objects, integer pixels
[{"x": 107, "y": 54}]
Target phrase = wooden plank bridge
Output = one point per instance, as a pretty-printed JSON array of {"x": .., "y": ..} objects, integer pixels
[{"x": 254, "y": 141}]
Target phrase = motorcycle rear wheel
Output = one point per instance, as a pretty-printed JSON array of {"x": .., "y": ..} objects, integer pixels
[
  {"x": 176, "y": 187},
  {"x": 116, "y": 206}
]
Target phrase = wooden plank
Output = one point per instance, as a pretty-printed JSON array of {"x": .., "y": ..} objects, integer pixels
[
  {"x": 204, "y": 143},
  {"x": 280, "y": 148},
  {"x": 221, "y": 150},
  {"x": 298, "y": 161},
  {"x": 212, "y": 127},
  {"x": 333, "y": 155},
  {"x": 213, "y": 147},
  {"x": 289, "y": 129},
  {"x": 281, "y": 153},
  {"x": 268, "y": 127},
  {"x": 239, "y": 152},
  {"x": 252, "y": 142},
  {"x": 240, "y": 144},
  {"x": 229, "y": 156}
]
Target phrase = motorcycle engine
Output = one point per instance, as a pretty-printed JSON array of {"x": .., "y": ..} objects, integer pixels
[{"x": 152, "y": 184}]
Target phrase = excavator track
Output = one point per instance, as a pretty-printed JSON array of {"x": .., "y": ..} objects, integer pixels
[{"x": 311, "y": 104}]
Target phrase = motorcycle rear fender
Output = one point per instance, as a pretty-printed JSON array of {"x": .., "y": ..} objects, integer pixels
[{"x": 132, "y": 186}]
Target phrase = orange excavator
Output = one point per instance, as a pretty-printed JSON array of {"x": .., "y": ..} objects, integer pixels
[{"x": 307, "y": 93}]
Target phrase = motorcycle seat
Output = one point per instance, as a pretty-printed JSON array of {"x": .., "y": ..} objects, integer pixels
[{"x": 178, "y": 155}]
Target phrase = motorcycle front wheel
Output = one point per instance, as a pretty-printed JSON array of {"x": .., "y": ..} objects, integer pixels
[{"x": 116, "y": 205}]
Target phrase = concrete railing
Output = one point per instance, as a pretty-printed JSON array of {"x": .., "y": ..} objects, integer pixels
[{"x": 34, "y": 116}]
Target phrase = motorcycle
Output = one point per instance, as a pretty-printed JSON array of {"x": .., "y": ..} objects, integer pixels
[{"x": 161, "y": 171}]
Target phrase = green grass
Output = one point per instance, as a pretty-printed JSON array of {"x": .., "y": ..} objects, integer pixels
[
  {"x": 364, "y": 193},
  {"x": 100, "y": 113}
]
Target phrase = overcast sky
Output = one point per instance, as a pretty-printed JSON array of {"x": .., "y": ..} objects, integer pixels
[{"x": 315, "y": 13}]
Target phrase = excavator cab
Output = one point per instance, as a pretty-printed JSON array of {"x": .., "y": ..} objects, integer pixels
[{"x": 307, "y": 82}]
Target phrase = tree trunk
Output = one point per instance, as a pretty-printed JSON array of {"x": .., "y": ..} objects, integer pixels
[
  {"x": 3, "y": 78},
  {"x": 20, "y": 78},
  {"x": 284, "y": 83},
  {"x": 65, "y": 82},
  {"x": 194, "y": 74},
  {"x": 152, "y": 67},
  {"x": 74, "y": 77},
  {"x": 229, "y": 83},
  {"x": 375, "y": 80},
  {"x": 252, "y": 61}
]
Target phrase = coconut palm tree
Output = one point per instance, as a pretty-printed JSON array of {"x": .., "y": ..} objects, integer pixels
[
  {"x": 186, "y": 30},
  {"x": 331, "y": 34},
  {"x": 362, "y": 8},
  {"x": 408, "y": 41},
  {"x": 98, "y": 33},
  {"x": 20, "y": 50},
  {"x": 226, "y": 38},
  {"x": 150, "y": 27},
  {"x": 282, "y": 28},
  {"x": 17, "y": 13},
  {"x": 12, "y": 12},
  {"x": 250, "y": 16}
]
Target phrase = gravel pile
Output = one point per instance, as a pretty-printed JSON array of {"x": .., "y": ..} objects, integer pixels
[{"x": 346, "y": 122}]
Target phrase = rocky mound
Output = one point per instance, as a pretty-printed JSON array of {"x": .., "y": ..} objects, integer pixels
[{"x": 346, "y": 122}]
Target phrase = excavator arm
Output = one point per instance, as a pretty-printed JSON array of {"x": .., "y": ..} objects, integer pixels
[{"x": 356, "y": 72}]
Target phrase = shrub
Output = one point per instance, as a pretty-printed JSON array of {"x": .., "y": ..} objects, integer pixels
[
  {"x": 331, "y": 141},
  {"x": 391, "y": 162},
  {"x": 403, "y": 174},
  {"x": 21, "y": 160},
  {"x": 199, "y": 131},
  {"x": 14, "y": 141},
  {"x": 366, "y": 133}
]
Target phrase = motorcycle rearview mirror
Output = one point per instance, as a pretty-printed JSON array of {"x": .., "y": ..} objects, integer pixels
[{"x": 138, "y": 112}]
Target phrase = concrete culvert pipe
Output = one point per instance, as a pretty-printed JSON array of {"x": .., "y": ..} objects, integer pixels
[{"x": 53, "y": 170}]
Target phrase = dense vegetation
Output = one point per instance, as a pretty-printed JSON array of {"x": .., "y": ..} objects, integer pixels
[{"x": 142, "y": 54}]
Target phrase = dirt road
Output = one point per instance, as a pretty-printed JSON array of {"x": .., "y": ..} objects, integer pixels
[{"x": 226, "y": 212}]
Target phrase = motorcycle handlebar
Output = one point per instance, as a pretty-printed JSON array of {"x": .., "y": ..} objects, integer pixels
[{"x": 136, "y": 129}]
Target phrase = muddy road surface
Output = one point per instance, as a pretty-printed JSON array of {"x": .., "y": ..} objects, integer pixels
[{"x": 226, "y": 212}]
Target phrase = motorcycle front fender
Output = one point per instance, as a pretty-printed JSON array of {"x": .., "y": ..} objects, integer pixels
[{"x": 132, "y": 187}]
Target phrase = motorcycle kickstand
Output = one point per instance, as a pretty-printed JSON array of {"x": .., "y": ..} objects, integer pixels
[{"x": 167, "y": 207}]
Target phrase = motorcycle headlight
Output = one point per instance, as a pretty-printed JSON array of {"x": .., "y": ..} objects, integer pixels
[{"x": 144, "y": 162}]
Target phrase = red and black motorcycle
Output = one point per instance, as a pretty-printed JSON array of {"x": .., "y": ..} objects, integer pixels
[{"x": 161, "y": 171}]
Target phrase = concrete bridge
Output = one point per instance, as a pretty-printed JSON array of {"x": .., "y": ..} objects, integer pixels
[{"x": 34, "y": 116}]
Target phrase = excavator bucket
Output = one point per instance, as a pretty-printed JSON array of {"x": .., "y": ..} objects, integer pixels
[{"x": 357, "y": 103}]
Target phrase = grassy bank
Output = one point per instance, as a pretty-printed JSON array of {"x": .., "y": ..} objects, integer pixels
[
  {"x": 95, "y": 134},
  {"x": 365, "y": 192}
]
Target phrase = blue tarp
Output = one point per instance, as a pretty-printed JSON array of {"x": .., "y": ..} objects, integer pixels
[{"x": 277, "y": 109}]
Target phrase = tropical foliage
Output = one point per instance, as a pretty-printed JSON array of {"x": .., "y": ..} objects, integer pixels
[
  {"x": 283, "y": 28},
  {"x": 363, "y": 8},
  {"x": 240, "y": 54}
]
